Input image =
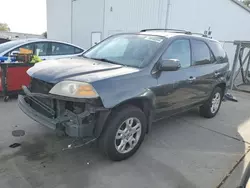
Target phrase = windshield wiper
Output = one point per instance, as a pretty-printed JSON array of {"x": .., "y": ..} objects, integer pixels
[{"x": 106, "y": 60}]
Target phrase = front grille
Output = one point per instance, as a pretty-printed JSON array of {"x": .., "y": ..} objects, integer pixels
[{"x": 39, "y": 86}]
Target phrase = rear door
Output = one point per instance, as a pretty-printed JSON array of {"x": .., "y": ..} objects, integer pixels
[
  {"x": 203, "y": 70},
  {"x": 174, "y": 88},
  {"x": 42, "y": 50}
]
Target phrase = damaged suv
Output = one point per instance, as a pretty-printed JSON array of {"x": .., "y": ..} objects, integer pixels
[{"x": 120, "y": 86}]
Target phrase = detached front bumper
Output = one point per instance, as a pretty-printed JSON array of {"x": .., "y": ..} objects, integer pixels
[
  {"x": 25, "y": 107},
  {"x": 75, "y": 118}
]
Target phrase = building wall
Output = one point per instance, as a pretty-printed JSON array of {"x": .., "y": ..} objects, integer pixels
[
  {"x": 131, "y": 15},
  {"x": 59, "y": 20},
  {"x": 15, "y": 36},
  {"x": 87, "y": 18},
  {"x": 228, "y": 21}
]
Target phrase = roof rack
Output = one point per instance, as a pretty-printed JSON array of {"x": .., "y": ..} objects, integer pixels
[
  {"x": 174, "y": 30},
  {"x": 180, "y": 31}
]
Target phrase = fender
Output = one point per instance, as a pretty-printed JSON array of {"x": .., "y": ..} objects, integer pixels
[
  {"x": 148, "y": 100},
  {"x": 116, "y": 92}
]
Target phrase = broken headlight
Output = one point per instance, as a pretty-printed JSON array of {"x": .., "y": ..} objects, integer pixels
[{"x": 74, "y": 89}]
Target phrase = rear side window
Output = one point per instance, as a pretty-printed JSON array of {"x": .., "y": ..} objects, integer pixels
[
  {"x": 201, "y": 53},
  {"x": 64, "y": 49},
  {"x": 219, "y": 52},
  {"x": 78, "y": 50}
]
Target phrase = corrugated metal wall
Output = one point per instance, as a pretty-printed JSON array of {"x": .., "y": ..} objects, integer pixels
[
  {"x": 87, "y": 18},
  {"x": 59, "y": 19},
  {"x": 131, "y": 15},
  {"x": 227, "y": 20}
]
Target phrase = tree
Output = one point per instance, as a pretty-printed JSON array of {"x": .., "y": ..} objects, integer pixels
[
  {"x": 4, "y": 27},
  {"x": 45, "y": 34},
  {"x": 246, "y": 2}
]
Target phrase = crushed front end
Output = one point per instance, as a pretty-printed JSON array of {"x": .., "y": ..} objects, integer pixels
[{"x": 77, "y": 117}]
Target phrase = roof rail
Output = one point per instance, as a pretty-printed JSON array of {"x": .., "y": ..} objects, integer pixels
[
  {"x": 174, "y": 30},
  {"x": 179, "y": 31},
  {"x": 200, "y": 34}
]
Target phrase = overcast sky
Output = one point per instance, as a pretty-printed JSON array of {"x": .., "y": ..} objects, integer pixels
[{"x": 26, "y": 16}]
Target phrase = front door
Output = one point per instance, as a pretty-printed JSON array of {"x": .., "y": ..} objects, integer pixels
[{"x": 174, "y": 89}]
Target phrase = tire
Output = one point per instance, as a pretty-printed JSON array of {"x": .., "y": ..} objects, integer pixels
[
  {"x": 206, "y": 109},
  {"x": 119, "y": 119}
]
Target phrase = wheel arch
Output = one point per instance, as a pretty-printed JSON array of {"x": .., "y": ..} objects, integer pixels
[
  {"x": 223, "y": 86},
  {"x": 145, "y": 103}
]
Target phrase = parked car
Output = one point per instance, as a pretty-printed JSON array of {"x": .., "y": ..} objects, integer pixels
[
  {"x": 120, "y": 86},
  {"x": 46, "y": 49}
]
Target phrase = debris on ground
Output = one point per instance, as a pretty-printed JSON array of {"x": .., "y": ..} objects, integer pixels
[
  {"x": 18, "y": 133},
  {"x": 15, "y": 145}
]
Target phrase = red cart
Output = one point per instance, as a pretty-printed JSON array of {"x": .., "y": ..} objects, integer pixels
[{"x": 12, "y": 77}]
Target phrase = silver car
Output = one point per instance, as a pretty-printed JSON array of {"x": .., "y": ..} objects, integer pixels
[{"x": 44, "y": 48}]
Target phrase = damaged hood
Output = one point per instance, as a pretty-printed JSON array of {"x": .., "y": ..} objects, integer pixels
[{"x": 78, "y": 69}]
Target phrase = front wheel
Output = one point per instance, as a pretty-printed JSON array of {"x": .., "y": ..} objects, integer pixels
[
  {"x": 124, "y": 133},
  {"x": 212, "y": 106}
]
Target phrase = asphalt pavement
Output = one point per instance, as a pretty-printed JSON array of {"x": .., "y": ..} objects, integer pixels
[{"x": 180, "y": 152}]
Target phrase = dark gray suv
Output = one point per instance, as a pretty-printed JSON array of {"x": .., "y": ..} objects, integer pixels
[{"x": 120, "y": 86}]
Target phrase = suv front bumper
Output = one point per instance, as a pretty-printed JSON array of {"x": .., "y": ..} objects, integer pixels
[{"x": 88, "y": 123}]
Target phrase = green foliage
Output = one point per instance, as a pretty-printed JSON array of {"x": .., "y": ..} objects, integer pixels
[
  {"x": 36, "y": 59},
  {"x": 246, "y": 2},
  {"x": 4, "y": 27},
  {"x": 45, "y": 34}
]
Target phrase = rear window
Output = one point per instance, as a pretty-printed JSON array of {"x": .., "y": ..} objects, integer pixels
[{"x": 218, "y": 52}]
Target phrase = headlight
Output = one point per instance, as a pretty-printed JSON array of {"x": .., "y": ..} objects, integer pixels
[{"x": 74, "y": 89}]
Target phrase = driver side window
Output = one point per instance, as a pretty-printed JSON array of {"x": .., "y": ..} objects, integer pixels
[
  {"x": 179, "y": 49},
  {"x": 118, "y": 51}
]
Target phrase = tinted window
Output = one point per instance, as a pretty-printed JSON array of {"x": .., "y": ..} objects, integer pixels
[
  {"x": 7, "y": 45},
  {"x": 78, "y": 50},
  {"x": 29, "y": 46},
  {"x": 127, "y": 49},
  {"x": 42, "y": 48},
  {"x": 201, "y": 53},
  {"x": 179, "y": 49},
  {"x": 62, "y": 49},
  {"x": 219, "y": 52}
]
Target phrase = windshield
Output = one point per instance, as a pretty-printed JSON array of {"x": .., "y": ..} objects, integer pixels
[
  {"x": 7, "y": 45},
  {"x": 130, "y": 50}
]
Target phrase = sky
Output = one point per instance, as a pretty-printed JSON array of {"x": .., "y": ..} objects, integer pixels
[{"x": 25, "y": 16}]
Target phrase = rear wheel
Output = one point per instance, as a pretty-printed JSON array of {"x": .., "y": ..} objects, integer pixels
[
  {"x": 124, "y": 133},
  {"x": 212, "y": 106}
]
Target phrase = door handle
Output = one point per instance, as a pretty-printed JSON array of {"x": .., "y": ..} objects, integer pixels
[{"x": 191, "y": 78}]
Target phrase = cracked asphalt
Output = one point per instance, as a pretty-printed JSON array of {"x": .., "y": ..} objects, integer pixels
[{"x": 183, "y": 151}]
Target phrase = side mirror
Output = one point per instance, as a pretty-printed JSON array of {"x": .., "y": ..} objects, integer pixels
[
  {"x": 13, "y": 53},
  {"x": 170, "y": 65}
]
